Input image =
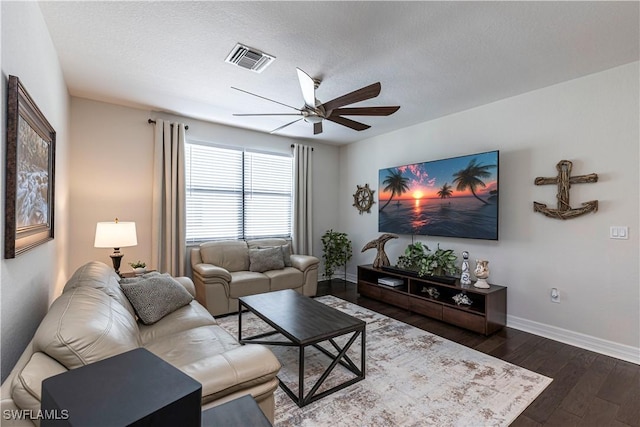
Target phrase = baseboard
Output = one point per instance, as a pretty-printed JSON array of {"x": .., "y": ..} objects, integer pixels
[
  {"x": 608, "y": 348},
  {"x": 353, "y": 278}
]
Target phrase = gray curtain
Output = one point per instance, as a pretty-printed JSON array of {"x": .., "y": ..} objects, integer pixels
[
  {"x": 168, "y": 243},
  {"x": 302, "y": 238}
]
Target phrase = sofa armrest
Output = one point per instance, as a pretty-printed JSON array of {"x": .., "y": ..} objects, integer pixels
[
  {"x": 303, "y": 262},
  {"x": 188, "y": 284},
  {"x": 26, "y": 386},
  {"x": 237, "y": 369},
  {"x": 211, "y": 271},
  {"x": 196, "y": 257}
]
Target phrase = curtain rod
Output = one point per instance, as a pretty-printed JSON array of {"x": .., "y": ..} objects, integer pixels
[
  {"x": 294, "y": 146},
  {"x": 154, "y": 122}
]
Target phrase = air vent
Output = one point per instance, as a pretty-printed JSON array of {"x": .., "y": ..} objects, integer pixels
[{"x": 249, "y": 58}]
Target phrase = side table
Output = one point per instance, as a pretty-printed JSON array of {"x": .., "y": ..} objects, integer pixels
[
  {"x": 241, "y": 412},
  {"x": 135, "y": 388},
  {"x": 130, "y": 274}
]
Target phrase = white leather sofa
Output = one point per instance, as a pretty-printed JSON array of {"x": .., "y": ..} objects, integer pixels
[
  {"x": 223, "y": 272},
  {"x": 93, "y": 320}
]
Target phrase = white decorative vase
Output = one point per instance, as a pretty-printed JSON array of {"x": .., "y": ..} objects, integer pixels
[
  {"x": 482, "y": 273},
  {"x": 140, "y": 271},
  {"x": 465, "y": 278}
]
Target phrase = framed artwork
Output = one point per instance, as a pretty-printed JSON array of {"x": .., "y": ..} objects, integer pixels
[{"x": 30, "y": 169}]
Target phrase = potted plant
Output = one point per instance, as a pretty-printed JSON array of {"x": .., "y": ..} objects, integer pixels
[
  {"x": 414, "y": 258},
  {"x": 418, "y": 258},
  {"x": 337, "y": 251},
  {"x": 139, "y": 267},
  {"x": 442, "y": 262}
]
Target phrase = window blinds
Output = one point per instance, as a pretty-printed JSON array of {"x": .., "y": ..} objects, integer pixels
[{"x": 235, "y": 194}]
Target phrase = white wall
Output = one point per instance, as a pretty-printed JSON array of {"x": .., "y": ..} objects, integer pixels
[
  {"x": 111, "y": 154},
  {"x": 32, "y": 280},
  {"x": 592, "y": 121}
]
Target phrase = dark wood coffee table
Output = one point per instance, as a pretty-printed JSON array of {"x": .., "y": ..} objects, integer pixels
[{"x": 305, "y": 322}]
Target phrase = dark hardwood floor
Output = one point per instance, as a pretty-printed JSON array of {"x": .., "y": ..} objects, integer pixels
[{"x": 588, "y": 389}]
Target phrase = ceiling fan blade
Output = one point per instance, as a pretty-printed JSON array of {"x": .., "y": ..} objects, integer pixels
[
  {"x": 308, "y": 88},
  {"x": 348, "y": 123},
  {"x": 365, "y": 111},
  {"x": 259, "y": 96},
  {"x": 284, "y": 126},
  {"x": 317, "y": 128},
  {"x": 358, "y": 95},
  {"x": 269, "y": 114}
]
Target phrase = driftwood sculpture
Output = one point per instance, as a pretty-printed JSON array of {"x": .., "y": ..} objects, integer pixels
[
  {"x": 564, "y": 181},
  {"x": 381, "y": 257}
]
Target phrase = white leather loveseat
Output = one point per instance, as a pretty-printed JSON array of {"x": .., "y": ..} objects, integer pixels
[
  {"x": 93, "y": 320},
  {"x": 225, "y": 270}
]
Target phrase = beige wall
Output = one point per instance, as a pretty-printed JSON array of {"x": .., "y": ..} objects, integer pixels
[
  {"x": 592, "y": 121},
  {"x": 112, "y": 166},
  {"x": 111, "y": 154},
  {"x": 32, "y": 280}
]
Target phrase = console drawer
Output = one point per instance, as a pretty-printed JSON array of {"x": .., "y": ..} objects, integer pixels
[
  {"x": 426, "y": 308},
  {"x": 464, "y": 319},
  {"x": 369, "y": 290},
  {"x": 394, "y": 298}
]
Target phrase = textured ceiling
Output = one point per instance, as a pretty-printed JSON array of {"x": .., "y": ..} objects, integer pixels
[{"x": 432, "y": 58}]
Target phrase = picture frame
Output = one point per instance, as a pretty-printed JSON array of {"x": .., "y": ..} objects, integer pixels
[{"x": 30, "y": 173}]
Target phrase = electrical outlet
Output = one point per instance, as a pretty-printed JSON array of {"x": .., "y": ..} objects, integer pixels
[{"x": 555, "y": 295}]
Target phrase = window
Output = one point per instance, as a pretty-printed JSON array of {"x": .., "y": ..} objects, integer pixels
[{"x": 236, "y": 194}]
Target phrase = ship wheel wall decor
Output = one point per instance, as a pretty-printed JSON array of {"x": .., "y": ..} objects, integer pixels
[{"x": 363, "y": 199}]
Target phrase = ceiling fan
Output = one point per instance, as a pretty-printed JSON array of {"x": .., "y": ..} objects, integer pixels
[{"x": 315, "y": 112}]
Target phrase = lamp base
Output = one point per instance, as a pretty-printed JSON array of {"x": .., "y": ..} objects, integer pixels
[{"x": 116, "y": 259}]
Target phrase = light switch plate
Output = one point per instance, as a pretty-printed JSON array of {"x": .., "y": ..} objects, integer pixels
[{"x": 619, "y": 232}]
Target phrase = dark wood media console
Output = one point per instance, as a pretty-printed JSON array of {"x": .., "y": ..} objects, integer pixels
[{"x": 486, "y": 315}]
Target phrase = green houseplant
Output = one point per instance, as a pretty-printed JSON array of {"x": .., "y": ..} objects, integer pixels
[
  {"x": 138, "y": 264},
  {"x": 414, "y": 258},
  {"x": 442, "y": 262},
  {"x": 419, "y": 258},
  {"x": 139, "y": 267},
  {"x": 337, "y": 251}
]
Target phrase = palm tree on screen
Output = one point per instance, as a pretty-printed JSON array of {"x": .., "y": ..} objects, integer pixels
[
  {"x": 395, "y": 183},
  {"x": 469, "y": 177},
  {"x": 445, "y": 192}
]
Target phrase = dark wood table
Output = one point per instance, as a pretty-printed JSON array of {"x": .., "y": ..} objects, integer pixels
[
  {"x": 241, "y": 412},
  {"x": 135, "y": 388},
  {"x": 305, "y": 322}
]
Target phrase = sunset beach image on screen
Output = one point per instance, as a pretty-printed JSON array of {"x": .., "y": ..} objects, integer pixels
[{"x": 454, "y": 197}]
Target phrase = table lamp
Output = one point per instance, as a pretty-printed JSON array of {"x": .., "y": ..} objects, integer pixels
[{"x": 115, "y": 235}]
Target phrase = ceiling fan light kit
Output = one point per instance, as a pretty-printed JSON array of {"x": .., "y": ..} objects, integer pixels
[
  {"x": 314, "y": 111},
  {"x": 313, "y": 119}
]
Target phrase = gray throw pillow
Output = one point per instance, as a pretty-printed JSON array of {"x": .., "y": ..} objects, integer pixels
[
  {"x": 261, "y": 260},
  {"x": 156, "y": 296},
  {"x": 286, "y": 253}
]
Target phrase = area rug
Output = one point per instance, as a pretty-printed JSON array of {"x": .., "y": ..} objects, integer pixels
[{"x": 413, "y": 378}]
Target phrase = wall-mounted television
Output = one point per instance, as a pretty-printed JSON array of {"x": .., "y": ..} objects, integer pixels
[{"x": 455, "y": 197}]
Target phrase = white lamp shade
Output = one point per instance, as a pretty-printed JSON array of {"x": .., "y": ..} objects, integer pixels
[{"x": 115, "y": 235}]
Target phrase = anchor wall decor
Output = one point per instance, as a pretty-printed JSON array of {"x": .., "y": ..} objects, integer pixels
[{"x": 564, "y": 181}]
